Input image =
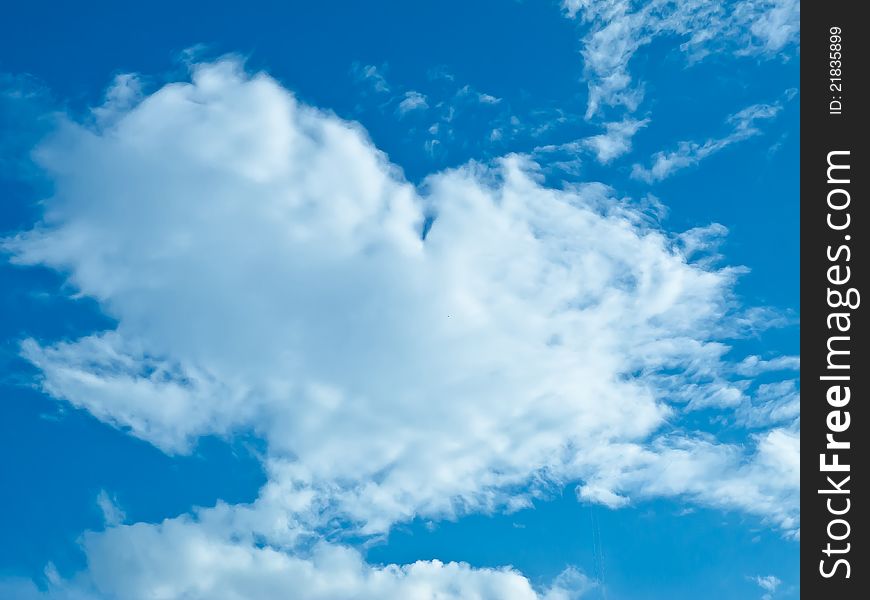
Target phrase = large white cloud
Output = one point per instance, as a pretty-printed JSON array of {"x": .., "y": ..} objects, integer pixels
[
  {"x": 181, "y": 559},
  {"x": 403, "y": 351}
]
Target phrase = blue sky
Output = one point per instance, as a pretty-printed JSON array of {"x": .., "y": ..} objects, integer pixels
[{"x": 479, "y": 299}]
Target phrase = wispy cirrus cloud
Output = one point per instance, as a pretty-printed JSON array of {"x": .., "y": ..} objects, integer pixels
[
  {"x": 618, "y": 29},
  {"x": 467, "y": 91},
  {"x": 616, "y": 141},
  {"x": 744, "y": 125},
  {"x": 113, "y": 515},
  {"x": 443, "y": 103},
  {"x": 755, "y": 365}
]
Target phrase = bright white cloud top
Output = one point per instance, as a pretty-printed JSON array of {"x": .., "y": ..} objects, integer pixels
[{"x": 462, "y": 346}]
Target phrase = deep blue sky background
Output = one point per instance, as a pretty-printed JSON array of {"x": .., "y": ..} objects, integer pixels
[{"x": 54, "y": 460}]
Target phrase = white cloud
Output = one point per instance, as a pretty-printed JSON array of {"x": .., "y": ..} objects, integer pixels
[
  {"x": 616, "y": 140},
  {"x": 769, "y": 584},
  {"x": 440, "y": 72},
  {"x": 619, "y": 28},
  {"x": 720, "y": 475},
  {"x": 412, "y": 101},
  {"x": 774, "y": 24},
  {"x": 688, "y": 153},
  {"x": 702, "y": 243},
  {"x": 772, "y": 404},
  {"x": 266, "y": 268},
  {"x": 467, "y": 91},
  {"x": 755, "y": 365},
  {"x": 124, "y": 93},
  {"x": 182, "y": 558},
  {"x": 607, "y": 146},
  {"x": 112, "y": 513},
  {"x": 371, "y": 75}
]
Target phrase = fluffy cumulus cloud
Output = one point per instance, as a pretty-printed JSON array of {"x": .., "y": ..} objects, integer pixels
[
  {"x": 462, "y": 345},
  {"x": 178, "y": 559},
  {"x": 617, "y": 29},
  {"x": 612, "y": 34}
]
